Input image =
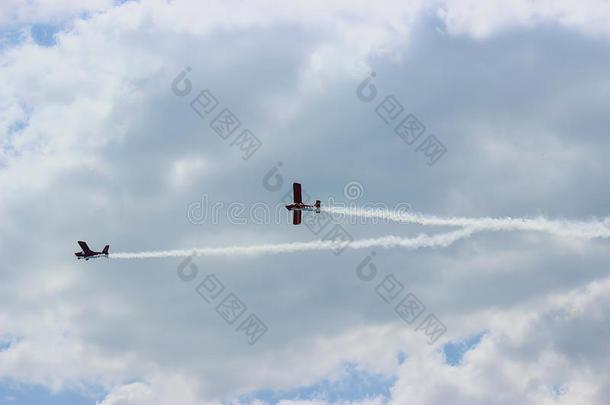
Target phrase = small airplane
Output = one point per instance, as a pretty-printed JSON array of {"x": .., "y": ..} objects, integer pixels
[
  {"x": 90, "y": 254},
  {"x": 298, "y": 205}
]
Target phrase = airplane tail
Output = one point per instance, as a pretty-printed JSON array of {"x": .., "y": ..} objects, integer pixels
[
  {"x": 105, "y": 251},
  {"x": 317, "y": 205}
]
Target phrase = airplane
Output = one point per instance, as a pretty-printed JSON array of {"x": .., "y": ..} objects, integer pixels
[
  {"x": 298, "y": 205},
  {"x": 88, "y": 253}
]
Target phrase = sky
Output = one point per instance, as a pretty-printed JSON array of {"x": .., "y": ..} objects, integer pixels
[{"x": 178, "y": 125}]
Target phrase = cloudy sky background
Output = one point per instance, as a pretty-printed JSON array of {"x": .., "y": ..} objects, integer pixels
[{"x": 96, "y": 146}]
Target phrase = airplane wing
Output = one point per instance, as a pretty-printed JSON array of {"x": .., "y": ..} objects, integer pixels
[
  {"x": 296, "y": 191},
  {"x": 296, "y": 217},
  {"x": 85, "y": 248}
]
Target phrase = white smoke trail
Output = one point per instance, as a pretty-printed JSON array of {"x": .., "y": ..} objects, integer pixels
[
  {"x": 579, "y": 229},
  {"x": 421, "y": 240}
]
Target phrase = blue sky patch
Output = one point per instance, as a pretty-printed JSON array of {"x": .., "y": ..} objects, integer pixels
[
  {"x": 44, "y": 34},
  {"x": 6, "y": 340},
  {"x": 12, "y": 392},
  {"x": 356, "y": 385},
  {"x": 454, "y": 351},
  {"x": 17, "y": 126},
  {"x": 401, "y": 357},
  {"x": 559, "y": 390},
  {"x": 11, "y": 38}
]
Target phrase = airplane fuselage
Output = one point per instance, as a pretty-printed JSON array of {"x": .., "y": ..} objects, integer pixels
[
  {"x": 302, "y": 207},
  {"x": 97, "y": 255}
]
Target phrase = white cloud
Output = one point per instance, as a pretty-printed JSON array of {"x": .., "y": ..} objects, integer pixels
[
  {"x": 16, "y": 12},
  {"x": 111, "y": 154},
  {"x": 483, "y": 19},
  {"x": 521, "y": 360}
]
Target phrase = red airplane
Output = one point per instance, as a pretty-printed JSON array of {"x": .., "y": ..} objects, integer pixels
[
  {"x": 298, "y": 205},
  {"x": 90, "y": 254}
]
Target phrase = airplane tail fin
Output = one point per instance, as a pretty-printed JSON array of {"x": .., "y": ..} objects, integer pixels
[
  {"x": 105, "y": 251},
  {"x": 317, "y": 205}
]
